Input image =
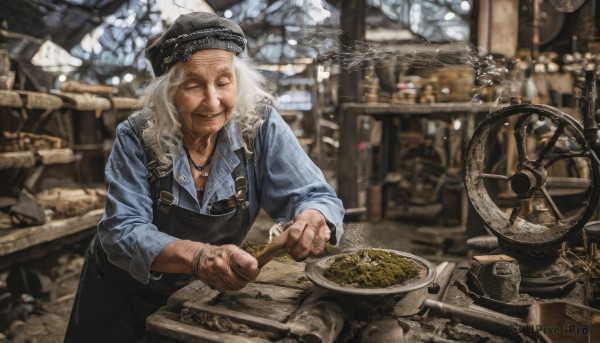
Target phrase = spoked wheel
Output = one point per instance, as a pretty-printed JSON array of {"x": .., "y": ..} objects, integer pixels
[{"x": 522, "y": 204}]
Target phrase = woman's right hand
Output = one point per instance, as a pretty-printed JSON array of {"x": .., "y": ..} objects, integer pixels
[{"x": 226, "y": 267}]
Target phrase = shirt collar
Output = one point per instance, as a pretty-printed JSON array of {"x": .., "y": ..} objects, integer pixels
[{"x": 220, "y": 185}]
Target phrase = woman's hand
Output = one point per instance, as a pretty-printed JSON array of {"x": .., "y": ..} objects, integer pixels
[
  {"x": 308, "y": 235},
  {"x": 225, "y": 267}
]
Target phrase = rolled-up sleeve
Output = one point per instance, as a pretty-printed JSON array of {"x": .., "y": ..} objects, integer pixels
[
  {"x": 289, "y": 181},
  {"x": 126, "y": 231}
]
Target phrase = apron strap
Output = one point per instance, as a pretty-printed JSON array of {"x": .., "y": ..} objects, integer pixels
[
  {"x": 241, "y": 181},
  {"x": 165, "y": 198}
]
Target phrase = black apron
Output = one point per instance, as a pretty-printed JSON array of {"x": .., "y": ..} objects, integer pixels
[{"x": 111, "y": 306}]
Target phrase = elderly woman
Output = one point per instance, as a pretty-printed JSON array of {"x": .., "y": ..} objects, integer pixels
[{"x": 186, "y": 178}]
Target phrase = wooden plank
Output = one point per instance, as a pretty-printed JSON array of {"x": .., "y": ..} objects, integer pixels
[
  {"x": 39, "y": 251},
  {"x": 14, "y": 240},
  {"x": 27, "y": 159},
  {"x": 10, "y": 99},
  {"x": 42, "y": 101},
  {"x": 123, "y": 103},
  {"x": 84, "y": 102},
  {"x": 78, "y": 87},
  {"x": 56, "y": 156},
  {"x": 17, "y": 159},
  {"x": 265, "y": 301}
]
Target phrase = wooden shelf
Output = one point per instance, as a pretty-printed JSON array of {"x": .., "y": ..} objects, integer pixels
[
  {"x": 17, "y": 159},
  {"x": 40, "y": 101},
  {"x": 15, "y": 240},
  {"x": 83, "y": 101},
  {"x": 10, "y": 99},
  {"x": 28, "y": 159}
]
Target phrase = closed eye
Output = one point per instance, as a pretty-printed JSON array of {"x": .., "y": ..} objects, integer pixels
[{"x": 191, "y": 85}]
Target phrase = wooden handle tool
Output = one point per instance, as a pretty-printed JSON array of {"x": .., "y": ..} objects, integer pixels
[{"x": 276, "y": 247}]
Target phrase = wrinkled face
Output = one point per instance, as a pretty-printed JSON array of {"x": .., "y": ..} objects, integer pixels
[{"x": 206, "y": 98}]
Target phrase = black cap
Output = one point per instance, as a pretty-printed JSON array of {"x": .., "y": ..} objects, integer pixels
[{"x": 190, "y": 33}]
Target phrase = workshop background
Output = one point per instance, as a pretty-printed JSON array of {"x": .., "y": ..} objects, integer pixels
[{"x": 462, "y": 132}]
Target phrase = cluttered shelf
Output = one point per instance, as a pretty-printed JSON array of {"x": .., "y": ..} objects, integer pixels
[
  {"x": 349, "y": 114},
  {"x": 52, "y": 152}
]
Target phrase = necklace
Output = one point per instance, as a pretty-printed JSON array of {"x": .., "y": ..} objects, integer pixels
[{"x": 197, "y": 167}]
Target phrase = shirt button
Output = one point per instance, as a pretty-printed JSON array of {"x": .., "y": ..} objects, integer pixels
[{"x": 180, "y": 177}]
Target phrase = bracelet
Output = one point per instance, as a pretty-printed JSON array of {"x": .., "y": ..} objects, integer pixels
[{"x": 196, "y": 261}]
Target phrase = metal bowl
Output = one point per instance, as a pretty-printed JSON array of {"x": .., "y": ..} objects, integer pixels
[{"x": 315, "y": 271}]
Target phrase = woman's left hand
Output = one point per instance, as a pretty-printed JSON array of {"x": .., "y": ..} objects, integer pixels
[{"x": 308, "y": 235}]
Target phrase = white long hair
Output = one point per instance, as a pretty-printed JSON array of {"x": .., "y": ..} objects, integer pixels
[{"x": 163, "y": 136}]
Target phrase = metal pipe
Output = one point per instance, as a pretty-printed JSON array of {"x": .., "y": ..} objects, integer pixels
[
  {"x": 443, "y": 277},
  {"x": 486, "y": 321}
]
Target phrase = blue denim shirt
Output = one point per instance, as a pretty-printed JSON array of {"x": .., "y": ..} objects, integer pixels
[{"x": 283, "y": 181}]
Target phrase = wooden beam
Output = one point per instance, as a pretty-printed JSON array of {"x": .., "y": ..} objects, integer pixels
[
  {"x": 10, "y": 98},
  {"x": 27, "y": 159},
  {"x": 17, "y": 159},
  {"x": 56, "y": 156},
  {"x": 353, "y": 31}
]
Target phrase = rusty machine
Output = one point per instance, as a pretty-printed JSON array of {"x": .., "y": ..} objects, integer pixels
[
  {"x": 539, "y": 204},
  {"x": 525, "y": 203}
]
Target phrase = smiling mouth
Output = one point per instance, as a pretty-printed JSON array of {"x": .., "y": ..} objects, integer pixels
[{"x": 209, "y": 116}]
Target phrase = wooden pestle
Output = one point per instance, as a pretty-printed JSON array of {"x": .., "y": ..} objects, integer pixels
[{"x": 276, "y": 247}]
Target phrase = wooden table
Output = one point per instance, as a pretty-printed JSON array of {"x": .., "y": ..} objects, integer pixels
[{"x": 349, "y": 114}]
